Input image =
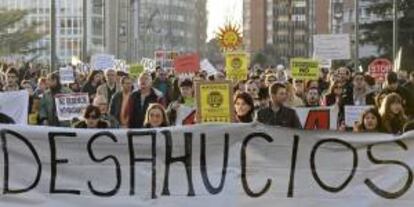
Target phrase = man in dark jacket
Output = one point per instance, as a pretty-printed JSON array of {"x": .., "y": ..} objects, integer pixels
[
  {"x": 277, "y": 114},
  {"x": 140, "y": 100}
]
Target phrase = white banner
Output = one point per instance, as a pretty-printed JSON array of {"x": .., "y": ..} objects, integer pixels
[
  {"x": 205, "y": 65},
  {"x": 15, "y": 106},
  {"x": 332, "y": 46},
  {"x": 70, "y": 106},
  {"x": 210, "y": 165}
]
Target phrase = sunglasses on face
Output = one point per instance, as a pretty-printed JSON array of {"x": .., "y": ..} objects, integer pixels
[{"x": 93, "y": 117}]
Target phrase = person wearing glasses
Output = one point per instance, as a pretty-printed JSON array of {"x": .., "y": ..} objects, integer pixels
[
  {"x": 92, "y": 119},
  {"x": 102, "y": 104}
]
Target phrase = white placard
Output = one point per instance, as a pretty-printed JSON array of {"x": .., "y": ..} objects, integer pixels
[
  {"x": 332, "y": 47},
  {"x": 208, "y": 67},
  {"x": 66, "y": 75},
  {"x": 15, "y": 106},
  {"x": 353, "y": 114},
  {"x": 149, "y": 64},
  {"x": 70, "y": 106},
  {"x": 103, "y": 62}
]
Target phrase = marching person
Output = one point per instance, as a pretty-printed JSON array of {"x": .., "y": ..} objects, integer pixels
[
  {"x": 155, "y": 116},
  {"x": 183, "y": 111},
  {"x": 370, "y": 121},
  {"x": 102, "y": 104},
  {"x": 244, "y": 107},
  {"x": 119, "y": 102},
  {"x": 140, "y": 100},
  {"x": 92, "y": 119},
  {"x": 47, "y": 113},
  {"x": 392, "y": 114},
  {"x": 94, "y": 81},
  {"x": 108, "y": 89},
  {"x": 277, "y": 114}
]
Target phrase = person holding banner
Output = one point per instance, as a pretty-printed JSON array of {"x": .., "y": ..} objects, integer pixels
[
  {"x": 370, "y": 121},
  {"x": 47, "y": 113},
  {"x": 155, "y": 116},
  {"x": 92, "y": 119},
  {"x": 392, "y": 114},
  {"x": 243, "y": 107},
  {"x": 277, "y": 114}
]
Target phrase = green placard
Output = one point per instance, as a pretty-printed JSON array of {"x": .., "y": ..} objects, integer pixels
[{"x": 304, "y": 69}]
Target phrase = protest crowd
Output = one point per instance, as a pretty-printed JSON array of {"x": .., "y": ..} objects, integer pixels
[{"x": 162, "y": 98}]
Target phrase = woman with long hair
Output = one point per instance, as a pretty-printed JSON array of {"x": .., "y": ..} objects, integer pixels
[
  {"x": 334, "y": 95},
  {"x": 392, "y": 114},
  {"x": 155, "y": 116},
  {"x": 244, "y": 107},
  {"x": 92, "y": 84},
  {"x": 370, "y": 121}
]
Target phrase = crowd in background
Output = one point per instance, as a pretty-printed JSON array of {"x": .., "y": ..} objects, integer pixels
[{"x": 160, "y": 98}]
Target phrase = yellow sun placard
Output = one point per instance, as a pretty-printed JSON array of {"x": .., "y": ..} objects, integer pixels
[{"x": 229, "y": 37}]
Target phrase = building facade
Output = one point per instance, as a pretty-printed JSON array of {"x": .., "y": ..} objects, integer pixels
[
  {"x": 69, "y": 26},
  {"x": 284, "y": 25},
  {"x": 128, "y": 29},
  {"x": 138, "y": 28}
]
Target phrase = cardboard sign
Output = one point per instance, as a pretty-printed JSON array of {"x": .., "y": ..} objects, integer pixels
[
  {"x": 103, "y": 62},
  {"x": 379, "y": 68},
  {"x": 149, "y": 64},
  {"x": 165, "y": 59},
  {"x": 66, "y": 75},
  {"x": 214, "y": 101},
  {"x": 353, "y": 114},
  {"x": 205, "y": 65},
  {"x": 304, "y": 69},
  {"x": 187, "y": 63},
  {"x": 136, "y": 70},
  {"x": 237, "y": 66},
  {"x": 332, "y": 46},
  {"x": 69, "y": 106}
]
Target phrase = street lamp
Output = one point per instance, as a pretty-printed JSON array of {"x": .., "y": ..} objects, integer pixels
[{"x": 395, "y": 30}]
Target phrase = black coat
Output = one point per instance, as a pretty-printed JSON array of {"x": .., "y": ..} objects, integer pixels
[
  {"x": 136, "y": 111},
  {"x": 285, "y": 117}
]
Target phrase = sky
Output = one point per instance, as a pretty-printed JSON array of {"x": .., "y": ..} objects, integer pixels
[{"x": 221, "y": 12}]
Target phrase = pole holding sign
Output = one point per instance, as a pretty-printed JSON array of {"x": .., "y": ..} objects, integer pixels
[{"x": 214, "y": 101}]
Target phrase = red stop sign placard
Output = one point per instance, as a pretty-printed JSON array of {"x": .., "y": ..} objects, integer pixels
[{"x": 379, "y": 68}]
